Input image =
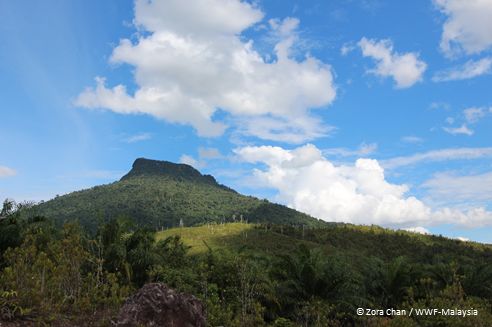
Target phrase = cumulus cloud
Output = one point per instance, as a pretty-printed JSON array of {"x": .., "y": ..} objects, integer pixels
[
  {"x": 468, "y": 27},
  {"x": 358, "y": 193},
  {"x": 438, "y": 155},
  {"x": 191, "y": 60},
  {"x": 406, "y": 69},
  {"x": 7, "y": 172},
  {"x": 470, "y": 69}
]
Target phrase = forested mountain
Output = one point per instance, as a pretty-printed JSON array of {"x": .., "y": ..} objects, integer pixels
[
  {"x": 74, "y": 260},
  {"x": 160, "y": 194}
]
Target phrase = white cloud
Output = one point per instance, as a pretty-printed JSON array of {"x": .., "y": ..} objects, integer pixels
[
  {"x": 473, "y": 115},
  {"x": 463, "y": 129},
  {"x": 450, "y": 120},
  {"x": 470, "y": 116},
  {"x": 283, "y": 129},
  {"x": 7, "y": 172},
  {"x": 347, "y": 48},
  {"x": 412, "y": 139},
  {"x": 203, "y": 18},
  {"x": 189, "y": 160},
  {"x": 468, "y": 27},
  {"x": 204, "y": 156},
  {"x": 472, "y": 188},
  {"x": 469, "y": 70},
  {"x": 438, "y": 155},
  {"x": 357, "y": 193},
  {"x": 463, "y": 239},
  {"x": 138, "y": 138},
  {"x": 406, "y": 69},
  {"x": 192, "y": 60},
  {"x": 439, "y": 106},
  {"x": 418, "y": 230},
  {"x": 364, "y": 149}
]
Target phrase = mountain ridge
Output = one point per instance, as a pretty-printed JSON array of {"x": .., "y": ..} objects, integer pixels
[{"x": 161, "y": 194}]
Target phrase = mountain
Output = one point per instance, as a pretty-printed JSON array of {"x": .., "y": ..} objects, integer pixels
[
  {"x": 162, "y": 194},
  {"x": 246, "y": 274}
]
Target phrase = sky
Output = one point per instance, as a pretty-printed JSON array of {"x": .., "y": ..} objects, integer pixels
[{"x": 368, "y": 112}]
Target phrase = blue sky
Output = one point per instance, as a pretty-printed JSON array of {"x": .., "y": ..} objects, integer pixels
[{"x": 360, "y": 111}]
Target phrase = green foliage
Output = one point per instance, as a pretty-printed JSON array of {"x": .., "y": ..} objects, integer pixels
[
  {"x": 9, "y": 309},
  {"x": 53, "y": 274},
  {"x": 159, "y": 195},
  {"x": 454, "y": 297},
  {"x": 318, "y": 277},
  {"x": 140, "y": 255},
  {"x": 477, "y": 280},
  {"x": 293, "y": 274},
  {"x": 11, "y": 226},
  {"x": 395, "y": 282}
]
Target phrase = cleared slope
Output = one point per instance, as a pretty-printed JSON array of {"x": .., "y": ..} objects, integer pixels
[{"x": 356, "y": 242}]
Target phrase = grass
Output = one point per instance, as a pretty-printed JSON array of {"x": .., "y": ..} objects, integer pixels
[
  {"x": 355, "y": 242},
  {"x": 236, "y": 236},
  {"x": 212, "y": 234}
]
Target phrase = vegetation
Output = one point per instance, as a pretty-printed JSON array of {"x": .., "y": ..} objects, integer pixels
[
  {"x": 160, "y": 194},
  {"x": 75, "y": 259},
  {"x": 246, "y": 274}
]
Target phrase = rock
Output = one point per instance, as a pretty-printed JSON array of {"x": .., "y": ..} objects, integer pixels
[{"x": 156, "y": 304}]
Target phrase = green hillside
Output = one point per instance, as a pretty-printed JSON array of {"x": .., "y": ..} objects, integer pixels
[
  {"x": 245, "y": 274},
  {"x": 319, "y": 276},
  {"x": 160, "y": 194},
  {"x": 357, "y": 242}
]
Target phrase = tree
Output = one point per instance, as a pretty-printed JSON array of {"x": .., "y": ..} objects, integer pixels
[
  {"x": 477, "y": 280},
  {"x": 8, "y": 208},
  {"x": 309, "y": 280},
  {"x": 140, "y": 254},
  {"x": 110, "y": 236},
  {"x": 396, "y": 278}
]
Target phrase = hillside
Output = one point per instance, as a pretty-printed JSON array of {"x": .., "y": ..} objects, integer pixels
[
  {"x": 354, "y": 241},
  {"x": 245, "y": 274},
  {"x": 320, "y": 276},
  {"x": 161, "y": 194}
]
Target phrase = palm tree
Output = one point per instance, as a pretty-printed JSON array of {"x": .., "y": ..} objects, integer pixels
[
  {"x": 395, "y": 282},
  {"x": 309, "y": 278}
]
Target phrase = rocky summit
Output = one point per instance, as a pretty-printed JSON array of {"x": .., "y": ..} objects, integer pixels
[{"x": 156, "y": 168}]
